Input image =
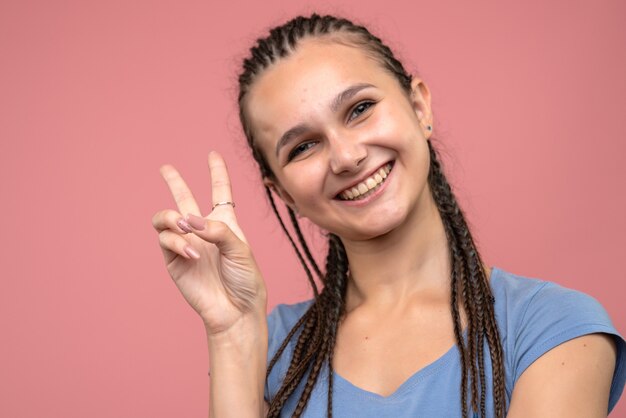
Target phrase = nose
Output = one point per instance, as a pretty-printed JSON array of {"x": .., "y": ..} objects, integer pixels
[{"x": 346, "y": 154}]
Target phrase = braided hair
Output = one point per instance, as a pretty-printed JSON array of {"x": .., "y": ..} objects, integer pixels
[{"x": 315, "y": 332}]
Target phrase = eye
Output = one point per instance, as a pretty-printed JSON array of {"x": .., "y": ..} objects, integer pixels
[
  {"x": 299, "y": 149},
  {"x": 359, "y": 109}
]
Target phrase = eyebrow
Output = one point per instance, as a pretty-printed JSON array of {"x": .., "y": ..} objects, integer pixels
[
  {"x": 336, "y": 103},
  {"x": 347, "y": 94}
]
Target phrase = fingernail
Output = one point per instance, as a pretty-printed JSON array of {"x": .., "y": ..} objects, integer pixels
[
  {"x": 191, "y": 252},
  {"x": 196, "y": 222},
  {"x": 184, "y": 226}
]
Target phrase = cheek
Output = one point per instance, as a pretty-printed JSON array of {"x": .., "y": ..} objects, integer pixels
[
  {"x": 397, "y": 124},
  {"x": 304, "y": 180}
]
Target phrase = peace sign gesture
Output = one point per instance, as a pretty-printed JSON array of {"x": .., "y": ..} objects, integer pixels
[{"x": 208, "y": 257}]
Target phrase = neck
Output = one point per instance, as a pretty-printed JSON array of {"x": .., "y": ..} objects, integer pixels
[{"x": 412, "y": 260}]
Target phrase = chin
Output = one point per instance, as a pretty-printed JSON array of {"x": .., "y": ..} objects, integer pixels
[{"x": 373, "y": 229}]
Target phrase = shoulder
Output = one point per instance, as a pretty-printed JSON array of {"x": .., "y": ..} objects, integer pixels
[
  {"x": 524, "y": 303},
  {"x": 288, "y": 312},
  {"x": 535, "y": 316},
  {"x": 280, "y": 322},
  {"x": 284, "y": 317}
]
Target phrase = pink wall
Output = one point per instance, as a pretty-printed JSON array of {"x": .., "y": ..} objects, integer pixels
[{"x": 529, "y": 97}]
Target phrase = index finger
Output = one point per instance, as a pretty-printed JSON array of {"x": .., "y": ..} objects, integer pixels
[
  {"x": 180, "y": 191},
  {"x": 220, "y": 182}
]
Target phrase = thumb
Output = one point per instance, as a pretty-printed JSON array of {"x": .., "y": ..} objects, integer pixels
[{"x": 217, "y": 233}]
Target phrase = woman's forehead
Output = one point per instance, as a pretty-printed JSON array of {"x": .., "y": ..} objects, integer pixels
[
  {"x": 303, "y": 84},
  {"x": 312, "y": 65}
]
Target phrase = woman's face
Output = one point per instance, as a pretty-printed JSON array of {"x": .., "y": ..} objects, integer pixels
[{"x": 346, "y": 144}]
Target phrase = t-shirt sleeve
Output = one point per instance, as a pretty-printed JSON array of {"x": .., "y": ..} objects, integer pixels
[{"x": 554, "y": 315}]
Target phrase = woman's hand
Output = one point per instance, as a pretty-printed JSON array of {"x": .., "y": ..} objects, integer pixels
[{"x": 208, "y": 257}]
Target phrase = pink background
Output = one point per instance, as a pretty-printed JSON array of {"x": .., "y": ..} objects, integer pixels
[{"x": 529, "y": 98}]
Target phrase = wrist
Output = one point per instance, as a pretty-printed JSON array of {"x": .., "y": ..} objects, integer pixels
[
  {"x": 219, "y": 323},
  {"x": 248, "y": 329},
  {"x": 237, "y": 364}
]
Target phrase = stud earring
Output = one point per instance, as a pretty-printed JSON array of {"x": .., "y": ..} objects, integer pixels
[{"x": 429, "y": 128}]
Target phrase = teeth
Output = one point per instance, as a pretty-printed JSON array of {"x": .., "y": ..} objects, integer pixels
[{"x": 368, "y": 184}]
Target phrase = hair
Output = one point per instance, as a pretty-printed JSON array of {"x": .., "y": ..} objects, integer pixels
[{"x": 315, "y": 332}]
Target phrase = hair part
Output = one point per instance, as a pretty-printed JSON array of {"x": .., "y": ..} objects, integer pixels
[{"x": 316, "y": 331}]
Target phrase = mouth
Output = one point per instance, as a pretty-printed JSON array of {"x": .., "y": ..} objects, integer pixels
[{"x": 368, "y": 186}]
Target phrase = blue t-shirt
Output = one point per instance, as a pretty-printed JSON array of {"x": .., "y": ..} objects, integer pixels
[{"x": 533, "y": 317}]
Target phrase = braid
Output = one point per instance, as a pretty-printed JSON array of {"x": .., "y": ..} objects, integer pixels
[
  {"x": 315, "y": 333},
  {"x": 338, "y": 296},
  {"x": 304, "y": 319},
  {"x": 478, "y": 300},
  {"x": 305, "y": 247},
  {"x": 457, "y": 274},
  {"x": 316, "y": 342},
  {"x": 332, "y": 302},
  {"x": 293, "y": 244}
]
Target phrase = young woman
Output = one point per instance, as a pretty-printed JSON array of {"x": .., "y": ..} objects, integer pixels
[{"x": 409, "y": 321}]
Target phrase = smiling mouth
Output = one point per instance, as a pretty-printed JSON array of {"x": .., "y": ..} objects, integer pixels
[{"x": 367, "y": 186}]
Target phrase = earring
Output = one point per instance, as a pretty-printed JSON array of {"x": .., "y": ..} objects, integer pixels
[{"x": 429, "y": 128}]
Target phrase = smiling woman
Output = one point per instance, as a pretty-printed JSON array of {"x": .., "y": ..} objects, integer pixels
[
  {"x": 358, "y": 120},
  {"x": 409, "y": 321}
]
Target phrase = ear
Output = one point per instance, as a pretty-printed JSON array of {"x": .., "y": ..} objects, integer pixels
[
  {"x": 281, "y": 192},
  {"x": 420, "y": 99}
]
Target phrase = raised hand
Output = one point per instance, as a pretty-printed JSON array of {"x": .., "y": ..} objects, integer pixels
[{"x": 208, "y": 257}]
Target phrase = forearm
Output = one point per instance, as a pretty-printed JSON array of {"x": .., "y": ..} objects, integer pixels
[{"x": 237, "y": 361}]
